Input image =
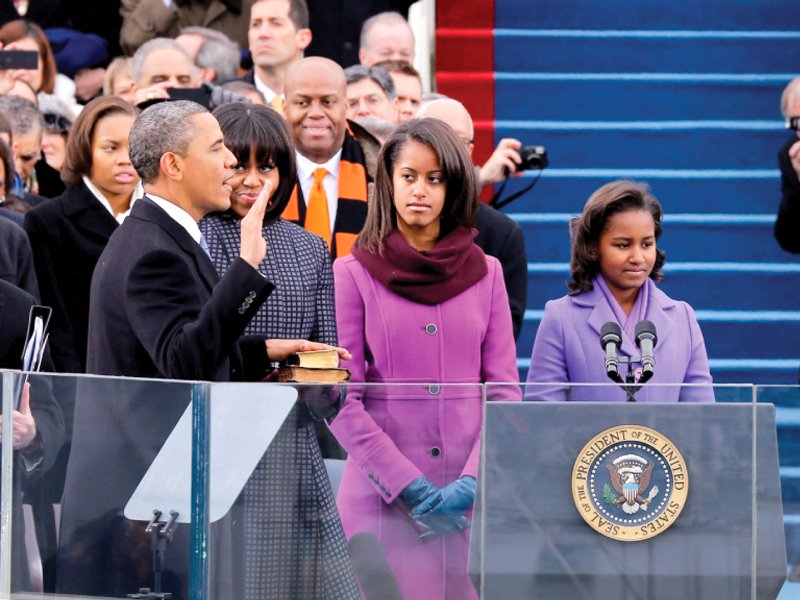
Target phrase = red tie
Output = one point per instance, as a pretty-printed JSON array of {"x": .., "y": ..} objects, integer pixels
[{"x": 317, "y": 219}]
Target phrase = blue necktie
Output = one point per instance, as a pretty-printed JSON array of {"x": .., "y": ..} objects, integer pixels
[{"x": 204, "y": 245}]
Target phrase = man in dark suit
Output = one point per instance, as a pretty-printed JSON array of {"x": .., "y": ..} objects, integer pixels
[
  {"x": 38, "y": 423},
  {"x": 158, "y": 309},
  {"x": 787, "y": 225},
  {"x": 498, "y": 235},
  {"x": 277, "y": 35}
]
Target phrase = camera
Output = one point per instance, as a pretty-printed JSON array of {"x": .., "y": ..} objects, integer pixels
[
  {"x": 792, "y": 122},
  {"x": 533, "y": 157},
  {"x": 19, "y": 59}
]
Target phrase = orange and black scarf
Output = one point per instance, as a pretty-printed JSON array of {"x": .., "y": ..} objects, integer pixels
[{"x": 351, "y": 212}]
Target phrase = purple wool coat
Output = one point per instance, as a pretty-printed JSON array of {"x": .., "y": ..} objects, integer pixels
[
  {"x": 395, "y": 434},
  {"x": 567, "y": 349}
]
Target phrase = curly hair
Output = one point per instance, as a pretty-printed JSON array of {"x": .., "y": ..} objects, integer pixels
[{"x": 585, "y": 230}]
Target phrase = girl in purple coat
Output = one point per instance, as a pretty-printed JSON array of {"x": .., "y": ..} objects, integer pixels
[
  {"x": 418, "y": 301},
  {"x": 614, "y": 264}
]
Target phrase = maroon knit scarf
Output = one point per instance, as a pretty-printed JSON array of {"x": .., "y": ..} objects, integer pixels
[{"x": 427, "y": 276}]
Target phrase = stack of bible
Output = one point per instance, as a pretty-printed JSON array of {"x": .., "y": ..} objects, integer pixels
[{"x": 315, "y": 366}]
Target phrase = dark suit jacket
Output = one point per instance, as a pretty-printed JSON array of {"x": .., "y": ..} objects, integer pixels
[
  {"x": 337, "y": 25},
  {"x": 104, "y": 18},
  {"x": 68, "y": 234},
  {"x": 16, "y": 258},
  {"x": 15, "y": 306},
  {"x": 787, "y": 225},
  {"x": 152, "y": 314},
  {"x": 501, "y": 237},
  {"x": 45, "y": 13}
]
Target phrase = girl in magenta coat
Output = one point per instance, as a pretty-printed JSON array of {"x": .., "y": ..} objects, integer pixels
[{"x": 418, "y": 304}]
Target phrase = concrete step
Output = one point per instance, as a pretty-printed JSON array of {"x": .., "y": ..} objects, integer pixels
[
  {"x": 599, "y": 51},
  {"x": 637, "y": 97},
  {"x": 653, "y": 145},
  {"x": 719, "y": 289},
  {"x": 679, "y": 191},
  {"x": 737, "y": 15},
  {"x": 725, "y": 336},
  {"x": 687, "y": 237}
]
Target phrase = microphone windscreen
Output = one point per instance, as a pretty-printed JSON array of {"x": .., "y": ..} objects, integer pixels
[
  {"x": 610, "y": 332},
  {"x": 372, "y": 568},
  {"x": 646, "y": 328}
]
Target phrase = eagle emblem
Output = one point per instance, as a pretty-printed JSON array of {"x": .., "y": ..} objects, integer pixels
[{"x": 630, "y": 478}]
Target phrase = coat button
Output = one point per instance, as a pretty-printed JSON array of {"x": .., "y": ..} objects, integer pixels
[
  {"x": 431, "y": 329},
  {"x": 433, "y": 389},
  {"x": 240, "y": 310},
  {"x": 436, "y": 452},
  {"x": 252, "y": 294}
]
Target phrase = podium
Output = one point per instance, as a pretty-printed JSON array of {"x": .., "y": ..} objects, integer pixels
[{"x": 530, "y": 539}]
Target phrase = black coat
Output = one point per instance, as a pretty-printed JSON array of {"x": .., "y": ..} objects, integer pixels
[
  {"x": 152, "y": 314},
  {"x": 337, "y": 25},
  {"x": 787, "y": 225},
  {"x": 500, "y": 236},
  {"x": 67, "y": 235},
  {"x": 103, "y": 19},
  {"x": 16, "y": 258},
  {"x": 15, "y": 306}
]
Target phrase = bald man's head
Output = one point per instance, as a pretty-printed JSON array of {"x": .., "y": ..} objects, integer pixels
[
  {"x": 316, "y": 107},
  {"x": 454, "y": 114}
]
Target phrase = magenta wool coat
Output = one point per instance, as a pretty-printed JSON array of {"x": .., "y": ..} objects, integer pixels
[
  {"x": 395, "y": 434},
  {"x": 567, "y": 349}
]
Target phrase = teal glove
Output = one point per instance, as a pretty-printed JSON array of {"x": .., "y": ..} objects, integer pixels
[
  {"x": 443, "y": 512},
  {"x": 417, "y": 492}
]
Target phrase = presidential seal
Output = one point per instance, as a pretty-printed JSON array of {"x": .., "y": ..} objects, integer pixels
[{"x": 630, "y": 483}]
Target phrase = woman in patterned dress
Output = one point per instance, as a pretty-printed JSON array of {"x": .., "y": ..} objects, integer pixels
[{"x": 294, "y": 543}]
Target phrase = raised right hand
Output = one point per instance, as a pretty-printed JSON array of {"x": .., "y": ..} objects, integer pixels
[{"x": 254, "y": 246}]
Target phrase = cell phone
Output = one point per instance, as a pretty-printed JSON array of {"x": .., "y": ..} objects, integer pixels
[
  {"x": 201, "y": 95},
  {"x": 19, "y": 59}
]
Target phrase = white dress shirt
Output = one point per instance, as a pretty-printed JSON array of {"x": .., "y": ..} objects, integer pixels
[
  {"x": 138, "y": 192},
  {"x": 180, "y": 216}
]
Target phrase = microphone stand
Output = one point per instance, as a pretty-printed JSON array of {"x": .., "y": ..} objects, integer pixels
[
  {"x": 630, "y": 386},
  {"x": 161, "y": 533}
]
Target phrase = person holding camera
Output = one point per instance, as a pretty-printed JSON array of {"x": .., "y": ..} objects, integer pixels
[{"x": 787, "y": 225}]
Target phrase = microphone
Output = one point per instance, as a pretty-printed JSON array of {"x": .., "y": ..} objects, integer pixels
[
  {"x": 646, "y": 340},
  {"x": 372, "y": 569},
  {"x": 610, "y": 340}
]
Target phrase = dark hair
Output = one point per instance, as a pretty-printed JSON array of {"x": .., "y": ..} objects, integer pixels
[
  {"x": 298, "y": 13},
  {"x": 19, "y": 29},
  {"x": 7, "y": 158},
  {"x": 399, "y": 66},
  {"x": 79, "y": 141},
  {"x": 611, "y": 199},
  {"x": 248, "y": 126},
  {"x": 461, "y": 195},
  {"x": 378, "y": 75}
]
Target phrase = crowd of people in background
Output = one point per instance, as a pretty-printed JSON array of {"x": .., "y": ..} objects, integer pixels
[{"x": 311, "y": 194}]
